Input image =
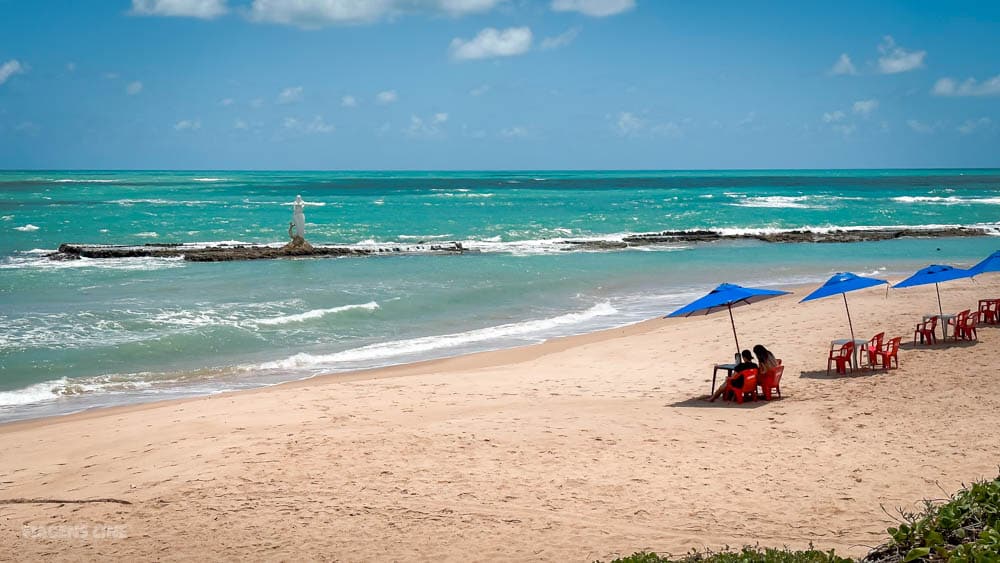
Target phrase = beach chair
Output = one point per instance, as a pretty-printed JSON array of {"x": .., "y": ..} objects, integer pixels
[
  {"x": 956, "y": 322},
  {"x": 873, "y": 347},
  {"x": 842, "y": 357},
  {"x": 749, "y": 386},
  {"x": 988, "y": 313},
  {"x": 925, "y": 331},
  {"x": 890, "y": 353},
  {"x": 771, "y": 380},
  {"x": 967, "y": 330}
]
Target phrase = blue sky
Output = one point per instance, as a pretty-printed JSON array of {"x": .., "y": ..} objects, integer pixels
[{"x": 498, "y": 84}]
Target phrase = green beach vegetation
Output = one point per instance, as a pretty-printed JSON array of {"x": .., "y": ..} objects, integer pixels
[{"x": 963, "y": 529}]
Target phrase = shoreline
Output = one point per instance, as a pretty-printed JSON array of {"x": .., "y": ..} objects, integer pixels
[
  {"x": 577, "y": 448},
  {"x": 504, "y": 356},
  {"x": 485, "y": 358}
]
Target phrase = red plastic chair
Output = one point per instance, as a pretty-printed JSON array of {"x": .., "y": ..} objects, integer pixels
[
  {"x": 772, "y": 380},
  {"x": 749, "y": 386},
  {"x": 994, "y": 307},
  {"x": 967, "y": 330},
  {"x": 957, "y": 322},
  {"x": 988, "y": 311},
  {"x": 873, "y": 347},
  {"x": 890, "y": 353},
  {"x": 925, "y": 331},
  {"x": 842, "y": 357}
]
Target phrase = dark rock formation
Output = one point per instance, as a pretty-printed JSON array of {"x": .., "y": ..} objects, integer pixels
[
  {"x": 227, "y": 253},
  {"x": 299, "y": 248}
]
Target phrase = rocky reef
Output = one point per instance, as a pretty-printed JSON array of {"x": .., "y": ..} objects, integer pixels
[
  {"x": 300, "y": 248},
  {"x": 228, "y": 253}
]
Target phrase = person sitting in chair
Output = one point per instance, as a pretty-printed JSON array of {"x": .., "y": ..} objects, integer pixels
[
  {"x": 766, "y": 359},
  {"x": 736, "y": 379}
]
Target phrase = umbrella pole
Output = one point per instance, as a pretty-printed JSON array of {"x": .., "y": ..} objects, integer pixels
[
  {"x": 736, "y": 338},
  {"x": 849, "y": 323},
  {"x": 936, "y": 288}
]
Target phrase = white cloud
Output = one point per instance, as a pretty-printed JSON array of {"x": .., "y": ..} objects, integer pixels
[
  {"x": 593, "y": 8},
  {"x": 843, "y": 65},
  {"x": 971, "y": 125},
  {"x": 919, "y": 126},
  {"x": 865, "y": 107},
  {"x": 628, "y": 124},
  {"x": 833, "y": 116},
  {"x": 27, "y": 127},
  {"x": 319, "y": 13},
  {"x": 349, "y": 102},
  {"x": 748, "y": 120},
  {"x": 10, "y": 68},
  {"x": 670, "y": 129},
  {"x": 71, "y": 67},
  {"x": 561, "y": 40},
  {"x": 240, "y": 124},
  {"x": 257, "y": 103},
  {"x": 386, "y": 97},
  {"x": 514, "y": 132},
  {"x": 188, "y": 125},
  {"x": 971, "y": 87},
  {"x": 317, "y": 125},
  {"x": 204, "y": 9},
  {"x": 462, "y": 7},
  {"x": 845, "y": 129},
  {"x": 290, "y": 95},
  {"x": 492, "y": 42},
  {"x": 133, "y": 88},
  {"x": 479, "y": 90},
  {"x": 896, "y": 59},
  {"x": 431, "y": 127},
  {"x": 226, "y": 102}
]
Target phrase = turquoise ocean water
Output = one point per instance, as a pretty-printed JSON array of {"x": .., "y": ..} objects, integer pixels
[{"x": 88, "y": 333}]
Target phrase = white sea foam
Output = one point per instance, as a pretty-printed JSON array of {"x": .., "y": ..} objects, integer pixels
[
  {"x": 37, "y": 393},
  {"x": 27, "y": 228},
  {"x": 210, "y": 179},
  {"x": 778, "y": 202},
  {"x": 465, "y": 193},
  {"x": 81, "y": 181},
  {"x": 133, "y": 264},
  {"x": 147, "y": 234},
  {"x": 415, "y": 346},
  {"x": 423, "y": 237},
  {"x": 7, "y": 217},
  {"x": 158, "y": 201},
  {"x": 950, "y": 200},
  {"x": 316, "y": 314},
  {"x": 102, "y": 385}
]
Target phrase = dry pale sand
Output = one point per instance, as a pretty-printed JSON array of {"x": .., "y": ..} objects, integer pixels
[{"x": 581, "y": 448}]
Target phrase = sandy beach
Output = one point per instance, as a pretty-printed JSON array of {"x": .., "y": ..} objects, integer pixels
[{"x": 578, "y": 449}]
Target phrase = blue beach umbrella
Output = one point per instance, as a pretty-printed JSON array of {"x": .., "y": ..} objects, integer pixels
[
  {"x": 725, "y": 297},
  {"x": 935, "y": 274},
  {"x": 990, "y": 264},
  {"x": 842, "y": 283}
]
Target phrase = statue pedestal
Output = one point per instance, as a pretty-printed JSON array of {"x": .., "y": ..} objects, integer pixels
[{"x": 298, "y": 243}]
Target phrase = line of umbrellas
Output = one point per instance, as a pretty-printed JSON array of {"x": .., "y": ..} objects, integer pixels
[{"x": 727, "y": 295}]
